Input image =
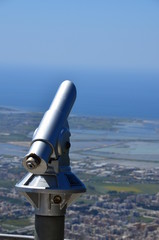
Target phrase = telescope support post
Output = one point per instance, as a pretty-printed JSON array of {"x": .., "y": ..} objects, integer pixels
[{"x": 49, "y": 227}]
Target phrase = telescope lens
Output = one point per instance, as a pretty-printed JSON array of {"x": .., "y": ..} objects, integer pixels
[{"x": 32, "y": 162}]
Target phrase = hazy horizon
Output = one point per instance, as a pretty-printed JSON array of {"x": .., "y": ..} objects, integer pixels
[{"x": 99, "y": 93}]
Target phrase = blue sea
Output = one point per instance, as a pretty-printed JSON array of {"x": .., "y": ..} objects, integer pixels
[{"x": 99, "y": 92}]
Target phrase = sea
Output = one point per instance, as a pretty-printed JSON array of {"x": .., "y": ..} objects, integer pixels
[{"x": 100, "y": 92}]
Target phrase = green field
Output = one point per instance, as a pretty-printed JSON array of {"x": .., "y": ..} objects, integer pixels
[
  {"x": 121, "y": 188},
  {"x": 134, "y": 188},
  {"x": 99, "y": 187},
  {"x": 11, "y": 224}
]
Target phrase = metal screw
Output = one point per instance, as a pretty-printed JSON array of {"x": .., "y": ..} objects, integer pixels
[
  {"x": 57, "y": 199},
  {"x": 32, "y": 163}
]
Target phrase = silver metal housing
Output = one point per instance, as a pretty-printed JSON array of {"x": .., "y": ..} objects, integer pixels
[{"x": 51, "y": 194}]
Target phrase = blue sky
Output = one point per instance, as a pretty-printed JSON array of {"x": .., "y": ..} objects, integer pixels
[
  {"x": 108, "y": 48},
  {"x": 104, "y": 34}
]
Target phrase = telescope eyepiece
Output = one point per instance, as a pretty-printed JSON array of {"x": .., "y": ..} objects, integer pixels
[{"x": 32, "y": 162}]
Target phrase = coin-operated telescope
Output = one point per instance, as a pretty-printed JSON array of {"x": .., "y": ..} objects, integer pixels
[{"x": 50, "y": 186}]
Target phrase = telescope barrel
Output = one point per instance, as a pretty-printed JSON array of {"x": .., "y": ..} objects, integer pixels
[
  {"x": 57, "y": 114},
  {"x": 46, "y": 136}
]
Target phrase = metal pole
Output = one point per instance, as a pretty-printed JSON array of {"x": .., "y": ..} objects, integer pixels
[
  {"x": 15, "y": 237},
  {"x": 49, "y": 228}
]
